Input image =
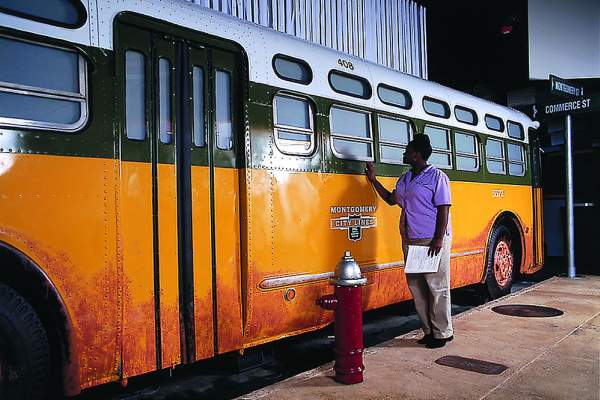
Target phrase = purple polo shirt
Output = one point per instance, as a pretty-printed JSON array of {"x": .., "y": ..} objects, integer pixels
[{"x": 419, "y": 200}]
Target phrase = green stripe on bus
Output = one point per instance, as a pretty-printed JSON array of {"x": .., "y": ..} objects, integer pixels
[
  {"x": 101, "y": 137},
  {"x": 265, "y": 153}
]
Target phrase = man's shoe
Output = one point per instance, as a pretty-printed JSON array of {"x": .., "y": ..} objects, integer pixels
[
  {"x": 437, "y": 343},
  {"x": 426, "y": 339}
]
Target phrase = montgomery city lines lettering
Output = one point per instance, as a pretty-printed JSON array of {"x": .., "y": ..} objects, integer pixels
[
  {"x": 352, "y": 220},
  {"x": 352, "y": 209}
]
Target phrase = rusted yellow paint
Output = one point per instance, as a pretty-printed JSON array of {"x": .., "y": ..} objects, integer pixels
[
  {"x": 203, "y": 295},
  {"x": 94, "y": 239},
  {"x": 168, "y": 264},
  {"x": 228, "y": 263},
  {"x": 136, "y": 244},
  {"x": 60, "y": 212}
]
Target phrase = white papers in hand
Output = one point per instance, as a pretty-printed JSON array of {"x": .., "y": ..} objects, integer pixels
[{"x": 419, "y": 262}]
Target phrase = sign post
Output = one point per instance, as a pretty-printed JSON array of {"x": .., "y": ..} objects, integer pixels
[{"x": 569, "y": 180}]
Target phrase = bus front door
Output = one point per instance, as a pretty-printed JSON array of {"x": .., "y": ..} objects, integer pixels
[{"x": 179, "y": 199}]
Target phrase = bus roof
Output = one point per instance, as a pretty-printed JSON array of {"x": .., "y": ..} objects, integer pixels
[{"x": 261, "y": 44}]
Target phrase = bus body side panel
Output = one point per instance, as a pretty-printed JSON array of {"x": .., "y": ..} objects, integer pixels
[
  {"x": 227, "y": 239},
  {"x": 203, "y": 290},
  {"x": 60, "y": 212},
  {"x": 539, "y": 228},
  {"x": 290, "y": 218},
  {"x": 139, "y": 345},
  {"x": 525, "y": 213},
  {"x": 475, "y": 207},
  {"x": 168, "y": 265},
  {"x": 294, "y": 230},
  {"x": 268, "y": 315}
]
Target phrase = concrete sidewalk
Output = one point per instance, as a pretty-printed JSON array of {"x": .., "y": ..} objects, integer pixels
[{"x": 547, "y": 358}]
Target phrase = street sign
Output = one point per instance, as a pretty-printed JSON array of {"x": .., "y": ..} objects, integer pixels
[
  {"x": 576, "y": 104},
  {"x": 544, "y": 111},
  {"x": 563, "y": 87}
]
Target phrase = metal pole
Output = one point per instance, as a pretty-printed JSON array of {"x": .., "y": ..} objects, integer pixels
[{"x": 569, "y": 180}]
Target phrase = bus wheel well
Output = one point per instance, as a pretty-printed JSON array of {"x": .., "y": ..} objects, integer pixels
[
  {"x": 511, "y": 222},
  {"x": 25, "y": 277}
]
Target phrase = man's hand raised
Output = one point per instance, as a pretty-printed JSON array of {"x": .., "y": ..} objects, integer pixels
[{"x": 370, "y": 171}]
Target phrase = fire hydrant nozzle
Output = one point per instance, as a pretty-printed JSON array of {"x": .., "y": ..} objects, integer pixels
[
  {"x": 346, "y": 301},
  {"x": 328, "y": 302}
]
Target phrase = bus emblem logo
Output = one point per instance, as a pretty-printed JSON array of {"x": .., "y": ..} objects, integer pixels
[{"x": 351, "y": 222}]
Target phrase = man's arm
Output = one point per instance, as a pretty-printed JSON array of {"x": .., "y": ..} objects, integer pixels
[
  {"x": 385, "y": 194},
  {"x": 441, "y": 222}
]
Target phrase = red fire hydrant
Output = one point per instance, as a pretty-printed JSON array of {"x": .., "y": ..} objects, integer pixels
[{"x": 346, "y": 301}]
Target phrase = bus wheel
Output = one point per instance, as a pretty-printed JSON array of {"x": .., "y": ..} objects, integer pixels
[
  {"x": 24, "y": 349},
  {"x": 500, "y": 266}
]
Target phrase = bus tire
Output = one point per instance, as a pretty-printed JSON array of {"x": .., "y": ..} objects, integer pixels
[
  {"x": 500, "y": 263},
  {"x": 24, "y": 349}
]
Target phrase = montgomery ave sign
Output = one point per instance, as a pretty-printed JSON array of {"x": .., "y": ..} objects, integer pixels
[
  {"x": 553, "y": 109},
  {"x": 565, "y": 88}
]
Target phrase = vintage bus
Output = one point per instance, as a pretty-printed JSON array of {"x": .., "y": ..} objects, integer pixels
[{"x": 178, "y": 184}]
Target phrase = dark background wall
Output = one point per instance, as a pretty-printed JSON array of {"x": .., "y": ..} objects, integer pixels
[{"x": 478, "y": 46}]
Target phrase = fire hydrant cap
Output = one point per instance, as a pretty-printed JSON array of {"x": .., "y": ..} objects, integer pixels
[{"x": 347, "y": 272}]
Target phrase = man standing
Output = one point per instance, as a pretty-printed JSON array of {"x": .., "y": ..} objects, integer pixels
[{"x": 423, "y": 193}]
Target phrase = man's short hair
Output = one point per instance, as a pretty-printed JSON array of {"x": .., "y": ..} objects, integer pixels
[{"x": 421, "y": 144}]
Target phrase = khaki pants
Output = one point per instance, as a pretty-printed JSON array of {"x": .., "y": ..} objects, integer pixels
[{"x": 431, "y": 292}]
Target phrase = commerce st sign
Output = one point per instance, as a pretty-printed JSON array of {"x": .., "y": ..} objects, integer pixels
[{"x": 544, "y": 111}]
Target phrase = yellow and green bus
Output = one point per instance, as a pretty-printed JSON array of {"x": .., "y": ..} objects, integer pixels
[{"x": 178, "y": 184}]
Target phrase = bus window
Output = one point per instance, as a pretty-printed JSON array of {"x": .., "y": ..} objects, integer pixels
[
  {"x": 516, "y": 160},
  {"x": 351, "y": 134},
  {"x": 467, "y": 158},
  {"x": 165, "y": 100},
  {"x": 223, "y": 110},
  {"x": 465, "y": 115},
  {"x": 292, "y": 69},
  {"x": 293, "y": 120},
  {"x": 393, "y": 96},
  {"x": 494, "y": 156},
  {"x": 198, "y": 102},
  {"x": 435, "y": 107},
  {"x": 349, "y": 84},
  {"x": 494, "y": 123},
  {"x": 515, "y": 130},
  {"x": 394, "y": 135},
  {"x": 135, "y": 95},
  {"x": 440, "y": 143},
  {"x": 64, "y": 13},
  {"x": 41, "y": 86}
]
